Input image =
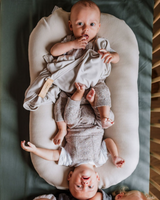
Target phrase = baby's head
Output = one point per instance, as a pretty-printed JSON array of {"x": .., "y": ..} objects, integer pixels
[
  {"x": 132, "y": 195},
  {"x": 85, "y": 19},
  {"x": 83, "y": 182}
]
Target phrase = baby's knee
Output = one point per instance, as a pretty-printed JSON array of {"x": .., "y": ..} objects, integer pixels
[
  {"x": 101, "y": 88},
  {"x": 69, "y": 120},
  {"x": 108, "y": 140}
]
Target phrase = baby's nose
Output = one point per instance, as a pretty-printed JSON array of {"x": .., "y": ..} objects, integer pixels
[
  {"x": 86, "y": 28},
  {"x": 85, "y": 181}
]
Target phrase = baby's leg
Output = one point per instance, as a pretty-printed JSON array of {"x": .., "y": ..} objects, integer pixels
[
  {"x": 105, "y": 116},
  {"x": 112, "y": 148},
  {"x": 91, "y": 96},
  {"x": 72, "y": 110},
  {"x": 103, "y": 103},
  {"x": 59, "y": 118},
  {"x": 78, "y": 94}
]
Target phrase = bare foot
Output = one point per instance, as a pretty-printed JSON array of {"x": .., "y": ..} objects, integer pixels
[
  {"x": 106, "y": 122},
  {"x": 59, "y": 137},
  {"x": 90, "y": 96},
  {"x": 78, "y": 94},
  {"x": 118, "y": 161}
]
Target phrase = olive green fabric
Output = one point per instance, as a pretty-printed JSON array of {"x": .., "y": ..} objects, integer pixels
[{"x": 19, "y": 180}]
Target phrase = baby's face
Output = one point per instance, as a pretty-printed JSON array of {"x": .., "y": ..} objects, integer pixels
[
  {"x": 83, "y": 182},
  {"x": 85, "y": 22}
]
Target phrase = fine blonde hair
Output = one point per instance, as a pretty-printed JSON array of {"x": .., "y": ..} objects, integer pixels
[
  {"x": 85, "y": 3},
  {"x": 139, "y": 194}
]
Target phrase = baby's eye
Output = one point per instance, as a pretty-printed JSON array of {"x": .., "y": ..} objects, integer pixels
[
  {"x": 79, "y": 186},
  {"x": 90, "y": 186},
  {"x": 80, "y": 23},
  {"x": 92, "y": 24}
]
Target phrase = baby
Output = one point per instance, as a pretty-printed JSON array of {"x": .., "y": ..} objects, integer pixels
[
  {"x": 79, "y": 51},
  {"x": 85, "y": 23},
  {"x": 84, "y": 147}
]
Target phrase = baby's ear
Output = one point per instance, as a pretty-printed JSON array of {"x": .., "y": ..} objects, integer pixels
[
  {"x": 70, "y": 25},
  {"x": 70, "y": 175},
  {"x": 119, "y": 196}
]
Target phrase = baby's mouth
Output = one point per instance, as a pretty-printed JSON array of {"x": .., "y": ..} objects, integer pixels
[
  {"x": 86, "y": 36},
  {"x": 85, "y": 178}
]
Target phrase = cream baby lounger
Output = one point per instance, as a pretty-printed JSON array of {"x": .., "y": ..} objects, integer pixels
[{"x": 124, "y": 95}]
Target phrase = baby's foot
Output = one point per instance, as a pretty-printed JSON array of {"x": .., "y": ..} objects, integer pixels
[
  {"x": 106, "y": 122},
  {"x": 78, "y": 94},
  {"x": 118, "y": 161},
  {"x": 57, "y": 140},
  {"x": 90, "y": 96}
]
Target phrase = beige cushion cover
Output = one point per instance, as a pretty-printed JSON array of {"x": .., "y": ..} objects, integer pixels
[{"x": 123, "y": 86}]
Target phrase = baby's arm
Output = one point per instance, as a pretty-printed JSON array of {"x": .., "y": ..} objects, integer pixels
[
  {"x": 62, "y": 131},
  {"x": 112, "y": 57},
  {"x": 112, "y": 148},
  {"x": 98, "y": 196},
  {"x": 61, "y": 48},
  {"x": 47, "y": 154}
]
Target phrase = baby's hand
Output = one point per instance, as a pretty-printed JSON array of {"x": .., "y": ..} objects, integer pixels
[
  {"x": 30, "y": 148},
  {"x": 108, "y": 57},
  {"x": 118, "y": 161},
  {"x": 57, "y": 140},
  {"x": 80, "y": 87},
  {"x": 80, "y": 43}
]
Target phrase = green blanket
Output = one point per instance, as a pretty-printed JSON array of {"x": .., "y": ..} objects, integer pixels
[{"x": 19, "y": 180}]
